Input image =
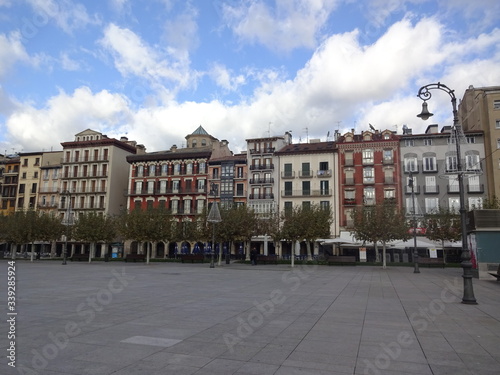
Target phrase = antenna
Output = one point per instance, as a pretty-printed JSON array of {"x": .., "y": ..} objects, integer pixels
[
  {"x": 338, "y": 125},
  {"x": 307, "y": 134}
]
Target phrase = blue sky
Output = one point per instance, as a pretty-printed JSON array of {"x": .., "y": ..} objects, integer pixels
[{"x": 155, "y": 70}]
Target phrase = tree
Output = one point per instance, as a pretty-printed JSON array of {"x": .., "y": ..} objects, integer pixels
[
  {"x": 380, "y": 223},
  {"x": 443, "y": 225},
  {"x": 51, "y": 227},
  {"x": 93, "y": 227},
  {"x": 493, "y": 203},
  {"x": 316, "y": 221}
]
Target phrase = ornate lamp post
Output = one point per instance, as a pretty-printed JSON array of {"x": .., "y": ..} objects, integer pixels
[
  {"x": 414, "y": 214},
  {"x": 424, "y": 94},
  {"x": 213, "y": 217},
  {"x": 67, "y": 221}
]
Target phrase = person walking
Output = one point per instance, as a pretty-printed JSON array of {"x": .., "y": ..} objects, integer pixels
[{"x": 253, "y": 256}]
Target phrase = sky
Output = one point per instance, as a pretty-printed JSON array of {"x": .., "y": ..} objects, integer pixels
[{"x": 155, "y": 70}]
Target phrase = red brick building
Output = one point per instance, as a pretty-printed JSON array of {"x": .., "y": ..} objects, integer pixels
[{"x": 369, "y": 167}]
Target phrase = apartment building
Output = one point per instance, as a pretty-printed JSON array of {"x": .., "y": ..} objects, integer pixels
[
  {"x": 49, "y": 186},
  {"x": 9, "y": 184},
  {"x": 229, "y": 176},
  {"x": 95, "y": 173},
  {"x": 369, "y": 167},
  {"x": 263, "y": 175},
  {"x": 29, "y": 178},
  {"x": 479, "y": 110},
  {"x": 308, "y": 176},
  {"x": 430, "y": 159}
]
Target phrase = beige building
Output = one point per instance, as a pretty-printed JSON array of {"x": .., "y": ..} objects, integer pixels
[
  {"x": 479, "y": 109},
  {"x": 50, "y": 174},
  {"x": 95, "y": 172}
]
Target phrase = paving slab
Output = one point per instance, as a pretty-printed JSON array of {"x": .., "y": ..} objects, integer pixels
[{"x": 168, "y": 318}]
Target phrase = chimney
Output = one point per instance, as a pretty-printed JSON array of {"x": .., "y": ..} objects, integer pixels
[{"x": 173, "y": 148}]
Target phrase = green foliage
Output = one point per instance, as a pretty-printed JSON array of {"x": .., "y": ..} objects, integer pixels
[
  {"x": 94, "y": 227},
  {"x": 444, "y": 225},
  {"x": 493, "y": 203}
]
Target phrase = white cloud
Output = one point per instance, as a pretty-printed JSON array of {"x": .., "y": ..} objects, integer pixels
[
  {"x": 181, "y": 32},
  {"x": 224, "y": 77},
  {"x": 132, "y": 56},
  {"x": 65, "y": 115},
  {"x": 68, "y": 63},
  {"x": 68, "y": 15},
  {"x": 291, "y": 24},
  {"x": 11, "y": 51}
]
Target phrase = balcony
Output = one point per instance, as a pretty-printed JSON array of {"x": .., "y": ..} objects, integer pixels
[
  {"x": 135, "y": 192},
  {"x": 288, "y": 174},
  {"x": 388, "y": 161},
  {"x": 349, "y": 181},
  {"x": 408, "y": 190},
  {"x": 349, "y": 162},
  {"x": 261, "y": 196},
  {"x": 414, "y": 169},
  {"x": 368, "y": 180},
  {"x": 433, "y": 189},
  {"x": 261, "y": 181},
  {"x": 90, "y": 174},
  {"x": 475, "y": 188},
  {"x": 83, "y": 159},
  {"x": 324, "y": 173},
  {"x": 453, "y": 189},
  {"x": 306, "y": 174},
  {"x": 46, "y": 205},
  {"x": 349, "y": 201},
  {"x": 48, "y": 190},
  {"x": 263, "y": 150},
  {"x": 307, "y": 193},
  {"x": 368, "y": 161},
  {"x": 261, "y": 167},
  {"x": 388, "y": 180}
]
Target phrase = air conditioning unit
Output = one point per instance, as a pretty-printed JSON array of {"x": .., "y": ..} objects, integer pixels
[{"x": 483, "y": 220}]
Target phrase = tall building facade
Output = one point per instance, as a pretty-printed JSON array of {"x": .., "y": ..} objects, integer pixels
[
  {"x": 479, "y": 109},
  {"x": 229, "y": 176},
  {"x": 29, "y": 179},
  {"x": 308, "y": 175},
  {"x": 430, "y": 159},
  {"x": 369, "y": 167},
  {"x": 49, "y": 186},
  {"x": 9, "y": 184},
  {"x": 95, "y": 173},
  {"x": 263, "y": 174}
]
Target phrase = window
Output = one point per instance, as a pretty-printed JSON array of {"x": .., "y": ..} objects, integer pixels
[
  {"x": 306, "y": 187},
  {"x": 410, "y": 181},
  {"x": 174, "y": 206},
  {"x": 388, "y": 176},
  {"x": 431, "y": 205},
  {"x": 288, "y": 188},
  {"x": 287, "y": 170},
  {"x": 349, "y": 177},
  {"x": 497, "y": 124},
  {"x": 215, "y": 173},
  {"x": 498, "y": 143},
  {"x": 323, "y": 165},
  {"x": 288, "y": 207},
  {"x": 410, "y": 208},
  {"x": 240, "y": 190},
  {"x": 164, "y": 169},
  {"x": 187, "y": 206},
  {"x": 367, "y": 157},
  {"x": 474, "y": 185},
  {"x": 475, "y": 203},
  {"x": 201, "y": 186},
  {"x": 202, "y": 167},
  {"x": 454, "y": 204},
  {"x": 200, "y": 205},
  {"x": 324, "y": 187},
  {"x": 226, "y": 170},
  {"x": 349, "y": 160},
  {"x": 427, "y": 142},
  {"x": 387, "y": 156},
  {"x": 429, "y": 164},
  {"x": 368, "y": 175},
  {"x": 189, "y": 168},
  {"x": 306, "y": 205},
  {"x": 37, "y": 162},
  {"x": 306, "y": 170},
  {"x": 138, "y": 187},
  {"x": 152, "y": 169},
  {"x": 175, "y": 186},
  {"x": 193, "y": 143},
  {"x": 350, "y": 194},
  {"x": 430, "y": 184},
  {"x": 470, "y": 139},
  {"x": 23, "y": 176},
  {"x": 324, "y": 205},
  {"x": 451, "y": 163},
  {"x": 453, "y": 184},
  {"x": 410, "y": 164},
  {"x": 472, "y": 162},
  {"x": 140, "y": 171},
  {"x": 409, "y": 142},
  {"x": 151, "y": 187},
  {"x": 369, "y": 196},
  {"x": 389, "y": 193},
  {"x": 496, "y": 104}
]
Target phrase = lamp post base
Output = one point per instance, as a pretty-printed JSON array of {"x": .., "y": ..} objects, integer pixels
[{"x": 468, "y": 297}]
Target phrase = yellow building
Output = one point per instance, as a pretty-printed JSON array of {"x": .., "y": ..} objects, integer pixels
[{"x": 479, "y": 109}]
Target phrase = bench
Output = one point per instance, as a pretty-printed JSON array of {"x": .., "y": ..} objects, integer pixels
[
  {"x": 267, "y": 259},
  {"x": 497, "y": 275},
  {"x": 342, "y": 260},
  {"x": 79, "y": 257},
  {"x": 192, "y": 257},
  {"x": 431, "y": 261},
  {"x": 135, "y": 257}
]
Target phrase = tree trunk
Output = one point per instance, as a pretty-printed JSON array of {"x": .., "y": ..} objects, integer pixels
[
  {"x": 384, "y": 265},
  {"x": 308, "y": 248}
]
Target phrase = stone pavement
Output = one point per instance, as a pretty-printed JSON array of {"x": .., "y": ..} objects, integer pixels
[{"x": 165, "y": 318}]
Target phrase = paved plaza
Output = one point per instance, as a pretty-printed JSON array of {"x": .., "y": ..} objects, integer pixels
[{"x": 169, "y": 318}]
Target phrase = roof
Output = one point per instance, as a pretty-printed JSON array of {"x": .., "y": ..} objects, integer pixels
[
  {"x": 200, "y": 131},
  {"x": 183, "y": 153},
  {"x": 308, "y": 148}
]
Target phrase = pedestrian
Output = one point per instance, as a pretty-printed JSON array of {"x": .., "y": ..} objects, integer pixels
[{"x": 253, "y": 256}]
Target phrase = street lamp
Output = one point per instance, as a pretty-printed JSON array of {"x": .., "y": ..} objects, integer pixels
[
  {"x": 67, "y": 221},
  {"x": 415, "y": 252},
  {"x": 213, "y": 217},
  {"x": 424, "y": 94}
]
